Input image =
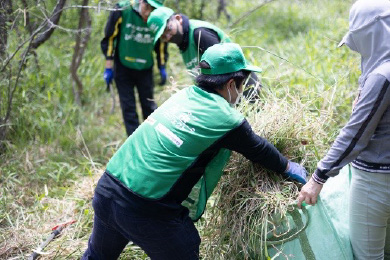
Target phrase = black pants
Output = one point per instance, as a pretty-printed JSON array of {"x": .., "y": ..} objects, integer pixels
[
  {"x": 114, "y": 226},
  {"x": 126, "y": 79}
]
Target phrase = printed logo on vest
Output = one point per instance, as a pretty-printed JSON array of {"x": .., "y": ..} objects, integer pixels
[
  {"x": 138, "y": 34},
  {"x": 179, "y": 118},
  {"x": 168, "y": 134},
  {"x": 146, "y": 38},
  {"x": 192, "y": 63}
]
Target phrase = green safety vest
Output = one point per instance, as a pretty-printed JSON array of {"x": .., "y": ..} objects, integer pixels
[
  {"x": 135, "y": 40},
  {"x": 191, "y": 54},
  {"x": 156, "y": 155}
]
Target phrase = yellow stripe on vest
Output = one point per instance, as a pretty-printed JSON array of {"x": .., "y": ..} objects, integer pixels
[{"x": 162, "y": 53}]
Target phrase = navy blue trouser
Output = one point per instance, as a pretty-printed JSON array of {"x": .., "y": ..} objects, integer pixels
[
  {"x": 114, "y": 226},
  {"x": 126, "y": 79}
]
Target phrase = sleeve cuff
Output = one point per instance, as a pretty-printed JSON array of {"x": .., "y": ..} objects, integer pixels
[{"x": 320, "y": 177}]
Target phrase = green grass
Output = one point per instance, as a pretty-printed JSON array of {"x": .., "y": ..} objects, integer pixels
[{"x": 56, "y": 150}]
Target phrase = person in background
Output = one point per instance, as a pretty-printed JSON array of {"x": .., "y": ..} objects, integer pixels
[
  {"x": 365, "y": 139},
  {"x": 128, "y": 47},
  {"x": 159, "y": 180},
  {"x": 193, "y": 37}
]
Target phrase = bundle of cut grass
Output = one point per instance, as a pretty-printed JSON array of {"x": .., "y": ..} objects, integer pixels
[{"x": 252, "y": 202}]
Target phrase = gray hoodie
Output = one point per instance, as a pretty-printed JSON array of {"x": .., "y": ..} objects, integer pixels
[{"x": 365, "y": 140}]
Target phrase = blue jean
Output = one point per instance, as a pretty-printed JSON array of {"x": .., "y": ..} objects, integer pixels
[{"x": 114, "y": 226}]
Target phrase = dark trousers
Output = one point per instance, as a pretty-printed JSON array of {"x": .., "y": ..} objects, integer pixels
[
  {"x": 126, "y": 79},
  {"x": 114, "y": 226}
]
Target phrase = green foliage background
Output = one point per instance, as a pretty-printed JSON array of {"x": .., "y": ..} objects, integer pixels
[{"x": 53, "y": 143}]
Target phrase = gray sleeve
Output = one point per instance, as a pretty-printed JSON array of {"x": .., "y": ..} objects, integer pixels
[{"x": 374, "y": 99}]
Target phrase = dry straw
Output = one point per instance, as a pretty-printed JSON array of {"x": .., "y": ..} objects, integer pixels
[
  {"x": 30, "y": 228},
  {"x": 252, "y": 202}
]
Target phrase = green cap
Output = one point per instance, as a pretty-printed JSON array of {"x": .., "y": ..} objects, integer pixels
[
  {"x": 156, "y": 3},
  {"x": 225, "y": 58},
  {"x": 157, "y": 21}
]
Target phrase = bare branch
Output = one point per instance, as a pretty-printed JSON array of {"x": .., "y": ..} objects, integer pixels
[
  {"x": 245, "y": 15},
  {"x": 54, "y": 19},
  {"x": 12, "y": 92},
  {"x": 97, "y": 8},
  {"x": 44, "y": 30},
  {"x": 52, "y": 27},
  {"x": 21, "y": 46}
]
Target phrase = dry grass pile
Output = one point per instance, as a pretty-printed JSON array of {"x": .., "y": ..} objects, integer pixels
[
  {"x": 251, "y": 201},
  {"x": 30, "y": 228},
  {"x": 33, "y": 226}
]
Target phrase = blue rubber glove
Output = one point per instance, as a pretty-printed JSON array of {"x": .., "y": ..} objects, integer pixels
[
  {"x": 163, "y": 74},
  {"x": 296, "y": 172},
  {"x": 108, "y": 75}
]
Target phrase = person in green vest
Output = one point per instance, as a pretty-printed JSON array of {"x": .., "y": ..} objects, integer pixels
[
  {"x": 193, "y": 37},
  {"x": 159, "y": 180},
  {"x": 128, "y": 47}
]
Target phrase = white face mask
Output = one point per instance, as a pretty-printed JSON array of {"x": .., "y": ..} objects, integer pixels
[{"x": 239, "y": 96}]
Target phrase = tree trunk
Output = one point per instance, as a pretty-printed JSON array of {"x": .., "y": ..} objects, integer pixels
[
  {"x": 5, "y": 12},
  {"x": 82, "y": 37}
]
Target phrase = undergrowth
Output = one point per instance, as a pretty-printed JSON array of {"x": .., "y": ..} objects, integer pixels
[{"x": 56, "y": 151}]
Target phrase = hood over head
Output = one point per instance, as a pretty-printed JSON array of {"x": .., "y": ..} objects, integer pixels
[{"x": 369, "y": 35}]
